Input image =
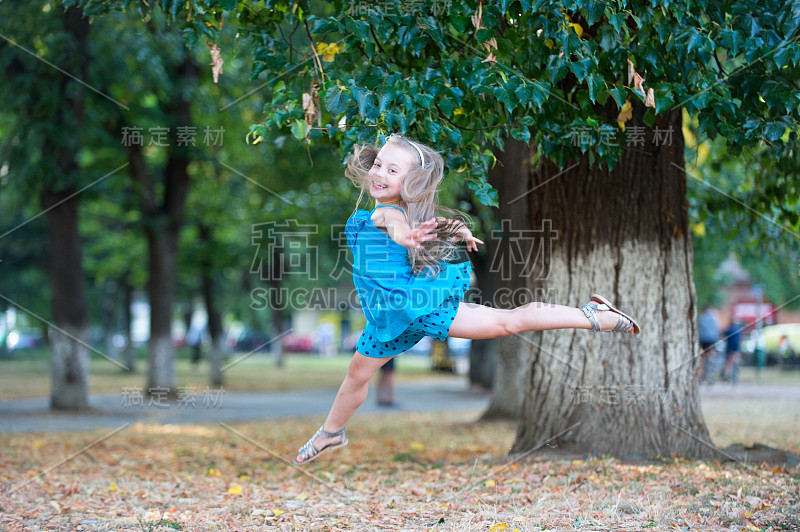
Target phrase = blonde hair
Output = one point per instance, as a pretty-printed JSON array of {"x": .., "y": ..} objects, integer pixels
[{"x": 418, "y": 197}]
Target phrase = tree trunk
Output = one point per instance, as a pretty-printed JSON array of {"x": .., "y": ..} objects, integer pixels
[
  {"x": 69, "y": 368},
  {"x": 162, "y": 247},
  {"x": 277, "y": 313},
  {"x": 213, "y": 312},
  {"x": 511, "y": 178},
  {"x": 165, "y": 216},
  {"x": 623, "y": 234},
  {"x": 127, "y": 297}
]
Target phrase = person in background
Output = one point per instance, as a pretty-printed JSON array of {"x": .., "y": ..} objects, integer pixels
[
  {"x": 788, "y": 356},
  {"x": 386, "y": 385},
  {"x": 708, "y": 331},
  {"x": 733, "y": 339}
]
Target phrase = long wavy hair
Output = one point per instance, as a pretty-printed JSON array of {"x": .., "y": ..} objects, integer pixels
[{"x": 418, "y": 197}]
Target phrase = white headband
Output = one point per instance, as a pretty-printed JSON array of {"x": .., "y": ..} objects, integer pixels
[{"x": 421, "y": 157}]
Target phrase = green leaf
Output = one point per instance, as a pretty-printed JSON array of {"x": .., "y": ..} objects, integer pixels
[
  {"x": 423, "y": 100},
  {"x": 447, "y": 105},
  {"x": 774, "y": 130},
  {"x": 359, "y": 27},
  {"x": 619, "y": 94},
  {"x": 361, "y": 96},
  {"x": 521, "y": 133},
  {"x": 541, "y": 91},
  {"x": 484, "y": 192},
  {"x": 299, "y": 129},
  {"x": 594, "y": 12},
  {"x": 596, "y": 84},
  {"x": 336, "y": 100}
]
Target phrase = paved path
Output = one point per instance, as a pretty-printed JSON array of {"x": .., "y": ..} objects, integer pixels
[{"x": 114, "y": 410}]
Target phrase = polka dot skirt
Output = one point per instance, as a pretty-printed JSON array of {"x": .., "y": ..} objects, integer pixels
[{"x": 436, "y": 324}]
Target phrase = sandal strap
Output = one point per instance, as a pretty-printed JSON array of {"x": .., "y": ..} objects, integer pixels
[
  {"x": 325, "y": 434},
  {"x": 590, "y": 311},
  {"x": 623, "y": 325},
  {"x": 308, "y": 450}
]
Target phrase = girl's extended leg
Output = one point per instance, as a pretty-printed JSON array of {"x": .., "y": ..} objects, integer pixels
[
  {"x": 478, "y": 322},
  {"x": 352, "y": 393}
]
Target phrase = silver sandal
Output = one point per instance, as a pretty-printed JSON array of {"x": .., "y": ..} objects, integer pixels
[
  {"x": 626, "y": 324},
  {"x": 310, "y": 453}
]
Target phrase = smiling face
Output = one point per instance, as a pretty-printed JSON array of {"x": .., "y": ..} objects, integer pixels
[{"x": 388, "y": 172}]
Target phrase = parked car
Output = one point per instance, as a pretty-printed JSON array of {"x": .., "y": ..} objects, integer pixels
[
  {"x": 296, "y": 343},
  {"x": 244, "y": 339},
  {"x": 18, "y": 339}
]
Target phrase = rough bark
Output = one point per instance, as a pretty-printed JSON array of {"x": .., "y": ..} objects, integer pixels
[
  {"x": 623, "y": 234},
  {"x": 511, "y": 177},
  {"x": 69, "y": 368}
]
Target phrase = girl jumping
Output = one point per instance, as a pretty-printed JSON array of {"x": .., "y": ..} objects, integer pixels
[{"x": 408, "y": 285}]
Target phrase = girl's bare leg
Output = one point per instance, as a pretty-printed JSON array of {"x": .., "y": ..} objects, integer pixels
[
  {"x": 352, "y": 394},
  {"x": 478, "y": 322}
]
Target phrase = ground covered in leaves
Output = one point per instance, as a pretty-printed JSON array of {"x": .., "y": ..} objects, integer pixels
[{"x": 400, "y": 472}]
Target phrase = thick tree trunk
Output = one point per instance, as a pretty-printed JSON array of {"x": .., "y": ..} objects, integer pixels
[
  {"x": 511, "y": 178},
  {"x": 69, "y": 368},
  {"x": 161, "y": 293},
  {"x": 623, "y": 234}
]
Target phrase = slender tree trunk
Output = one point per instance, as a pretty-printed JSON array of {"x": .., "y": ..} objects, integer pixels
[
  {"x": 277, "y": 312},
  {"x": 511, "y": 177},
  {"x": 624, "y": 234},
  {"x": 127, "y": 300},
  {"x": 213, "y": 312},
  {"x": 165, "y": 216},
  {"x": 69, "y": 368}
]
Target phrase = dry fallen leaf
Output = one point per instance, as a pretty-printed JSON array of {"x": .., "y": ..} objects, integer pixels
[{"x": 216, "y": 60}]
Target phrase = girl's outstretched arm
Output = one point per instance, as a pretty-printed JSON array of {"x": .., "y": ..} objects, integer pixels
[
  {"x": 396, "y": 226},
  {"x": 464, "y": 232}
]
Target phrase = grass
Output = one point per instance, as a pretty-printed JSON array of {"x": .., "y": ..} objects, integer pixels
[{"x": 28, "y": 375}]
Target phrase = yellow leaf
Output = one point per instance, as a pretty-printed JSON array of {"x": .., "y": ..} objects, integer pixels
[
  {"x": 235, "y": 490},
  {"x": 276, "y": 512},
  {"x": 549, "y": 43},
  {"x": 257, "y": 140},
  {"x": 625, "y": 114},
  {"x": 113, "y": 487},
  {"x": 577, "y": 462},
  {"x": 416, "y": 446},
  {"x": 578, "y": 28},
  {"x": 698, "y": 230},
  {"x": 499, "y": 526},
  {"x": 37, "y": 444},
  {"x": 458, "y": 111},
  {"x": 491, "y": 483}
]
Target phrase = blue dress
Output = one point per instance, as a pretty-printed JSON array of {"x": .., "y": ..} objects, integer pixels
[{"x": 401, "y": 307}]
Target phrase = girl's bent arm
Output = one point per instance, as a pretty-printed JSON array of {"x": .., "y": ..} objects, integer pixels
[{"x": 396, "y": 226}]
